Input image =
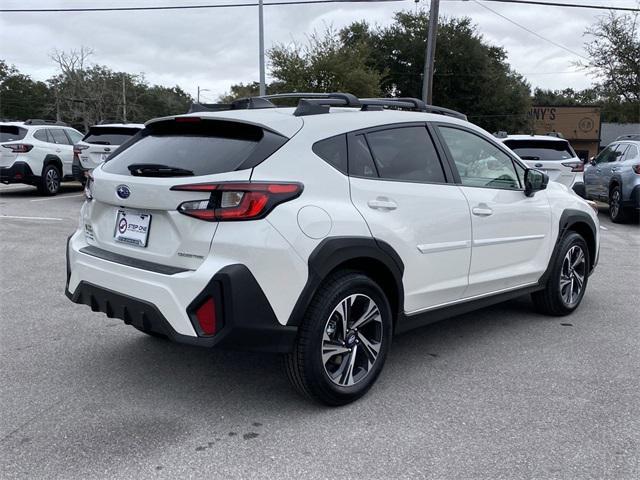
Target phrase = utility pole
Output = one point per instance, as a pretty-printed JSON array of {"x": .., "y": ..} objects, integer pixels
[
  {"x": 430, "y": 53},
  {"x": 124, "y": 99},
  {"x": 263, "y": 87}
]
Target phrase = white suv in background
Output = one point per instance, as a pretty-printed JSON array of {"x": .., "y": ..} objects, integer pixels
[
  {"x": 100, "y": 142},
  {"x": 37, "y": 152},
  {"x": 320, "y": 231},
  {"x": 553, "y": 155}
]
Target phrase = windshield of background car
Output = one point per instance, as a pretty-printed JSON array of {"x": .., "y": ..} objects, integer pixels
[
  {"x": 109, "y": 135},
  {"x": 11, "y": 133},
  {"x": 541, "y": 149}
]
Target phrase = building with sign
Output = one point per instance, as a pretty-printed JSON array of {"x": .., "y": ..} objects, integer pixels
[{"x": 579, "y": 125}]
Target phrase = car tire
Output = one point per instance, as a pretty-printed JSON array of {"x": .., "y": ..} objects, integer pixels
[
  {"x": 617, "y": 212},
  {"x": 49, "y": 183},
  {"x": 333, "y": 364},
  {"x": 567, "y": 280}
]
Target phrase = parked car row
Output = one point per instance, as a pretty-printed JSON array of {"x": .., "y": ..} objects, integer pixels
[
  {"x": 44, "y": 153},
  {"x": 612, "y": 177}
]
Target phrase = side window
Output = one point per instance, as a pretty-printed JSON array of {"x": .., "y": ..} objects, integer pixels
[
  {"x": 42, "y": 136},
  {"x": 479, "y": 162},
  {"x": 58, "y": 136},
  {"x": 632, "y": 153},
  {"x": 360, "y": 159},
  {"x": 74, "y": 137},
  {"x": 620, "y": 151},
  {"x": 606, "y": 154},
  {"x": 406, "y": 153},
  {"x": 333, "y": 151}
]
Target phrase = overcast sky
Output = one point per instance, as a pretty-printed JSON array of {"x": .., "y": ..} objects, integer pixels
[{"x": 215, "y": 48}]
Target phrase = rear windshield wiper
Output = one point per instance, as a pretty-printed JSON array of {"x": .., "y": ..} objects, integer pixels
[{"x": 154, "y": 170}]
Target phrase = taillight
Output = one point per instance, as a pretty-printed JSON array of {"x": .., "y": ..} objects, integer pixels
[
  {"x": 236, "y": 201},
  {"x": 576, "y": 166},
  {"x": 19, "y": 147},
  {"x": 206, "y": 316},
  {"x": 88, "y": 186},
  {"x": 636, "y": 169},
  {"x": 77, "y": 149}
]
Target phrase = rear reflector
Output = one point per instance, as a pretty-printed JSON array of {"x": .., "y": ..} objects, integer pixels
[
  {"x": 236, "y": 201},
  {"x": 206, "y": 315},
  {"x": 636, "y": 169}
]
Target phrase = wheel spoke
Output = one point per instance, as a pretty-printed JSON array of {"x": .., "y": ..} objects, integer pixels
[
  {"x": 346, "y": 376},
  {"x": 579, "y": 258},
  {"x": 579, "y": 279},
  {"x": 344, "y": 310},
  {"x": 564, "y": 281},
  {"x": 372, "y": 313},
  {"x": 370, "y": 349},
  {"x": 331, "y": 349}
]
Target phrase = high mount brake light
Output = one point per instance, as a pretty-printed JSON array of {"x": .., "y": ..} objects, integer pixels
[
  {"x": 19, "y": 147},
  {"x": 576, "y": 166},
  {"x": 236, "y": 201}
]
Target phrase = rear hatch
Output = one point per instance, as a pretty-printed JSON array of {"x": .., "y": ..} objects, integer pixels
[
  {"x": 135, "y": 187},
  {"x": 10, "y": 136},
  {"x": 102, "y": 141},
  {"x": 555, "y": 157}
]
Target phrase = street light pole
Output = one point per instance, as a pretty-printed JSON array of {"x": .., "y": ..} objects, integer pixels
[
  {"x": 430, "y": 53},
  {"x": 201, "y": 90},
  {"x": 263, "y": 88}
]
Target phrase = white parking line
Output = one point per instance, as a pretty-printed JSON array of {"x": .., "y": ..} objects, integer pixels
[
  {"x": 56, "y": 198},
  {"x": 13, "y": 217}
]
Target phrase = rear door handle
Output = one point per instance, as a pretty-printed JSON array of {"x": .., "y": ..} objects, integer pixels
[
  {"x": 382, "y": 203},
  {"x": 482, "y": 210}
]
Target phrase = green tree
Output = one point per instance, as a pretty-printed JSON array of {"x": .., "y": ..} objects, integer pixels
[
  {"x": 324, "y": 64},
  {"x": 471, "y": 75},
  {"x": 21, "y": 97}
]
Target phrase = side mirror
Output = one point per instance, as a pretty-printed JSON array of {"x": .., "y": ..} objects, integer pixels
[
  {"x": 534, "y": 181},
  {"x": 592, "y": 160}
]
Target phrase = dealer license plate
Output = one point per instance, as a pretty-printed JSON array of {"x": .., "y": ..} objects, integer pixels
[{"x": 132, "y": 227}]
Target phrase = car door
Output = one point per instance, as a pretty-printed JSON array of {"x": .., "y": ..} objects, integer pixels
[
  {"x": 511, "y": 232},
  {"x": 404, "y": 192},
  {"x": 608, "y": 168},
  {"x": 63, "y": 149}
]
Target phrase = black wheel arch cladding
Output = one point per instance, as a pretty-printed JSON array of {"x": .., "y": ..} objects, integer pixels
[{"x": 371, "y": 256}]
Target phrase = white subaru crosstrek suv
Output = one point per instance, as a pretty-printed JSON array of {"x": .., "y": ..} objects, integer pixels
[
  {"x": 551, "y": 154},
  {"x": 98, "y": 144},
  {"x": 320, "y": 231},
  {"x": 38, "y": 153}
]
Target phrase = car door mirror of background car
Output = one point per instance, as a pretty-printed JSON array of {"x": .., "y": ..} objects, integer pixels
[{"x": 534, "y": 181}]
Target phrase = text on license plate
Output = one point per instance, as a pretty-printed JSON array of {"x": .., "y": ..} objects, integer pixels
[{"x": 132, "y": 227}]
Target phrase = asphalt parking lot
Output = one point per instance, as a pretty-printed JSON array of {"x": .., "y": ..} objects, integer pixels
[{"x": 499, "y": 393}]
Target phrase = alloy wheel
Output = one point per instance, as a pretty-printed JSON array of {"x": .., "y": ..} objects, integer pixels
[
  {"x": 572, "y": 275},
  {"x": 351, "y": 340},
  {"x": 52, "y": 180},
  {"x": 614, "y": 203}
]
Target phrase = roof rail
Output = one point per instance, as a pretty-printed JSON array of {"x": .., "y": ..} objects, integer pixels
[
  {"x": 39, "y": 121},
  {"x": 318, "y": 103},
  {"x": 629, "y": 136}
]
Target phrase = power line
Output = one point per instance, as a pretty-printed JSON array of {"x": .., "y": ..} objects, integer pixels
[
  {"x": 560, "y": 4},
  {"x": 183, "y": 7},
  {"x": 531, "y": 31}
]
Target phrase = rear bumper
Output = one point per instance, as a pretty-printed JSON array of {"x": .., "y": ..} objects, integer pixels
[
  {"x": 19, "y": 172},
  {"x": 78, "y": 170},
  {"x": 245, "y": 318}
]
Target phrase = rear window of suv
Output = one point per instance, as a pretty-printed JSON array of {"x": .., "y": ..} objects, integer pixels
[
  {"x": 541, "y": 149},
  {"x": 11, "y": 133},
  {"x": 109, "y": 135},
  {"x": 193, "y": 148}
]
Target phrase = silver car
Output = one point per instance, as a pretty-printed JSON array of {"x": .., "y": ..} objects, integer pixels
[{"x": 613, "y": 177}]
